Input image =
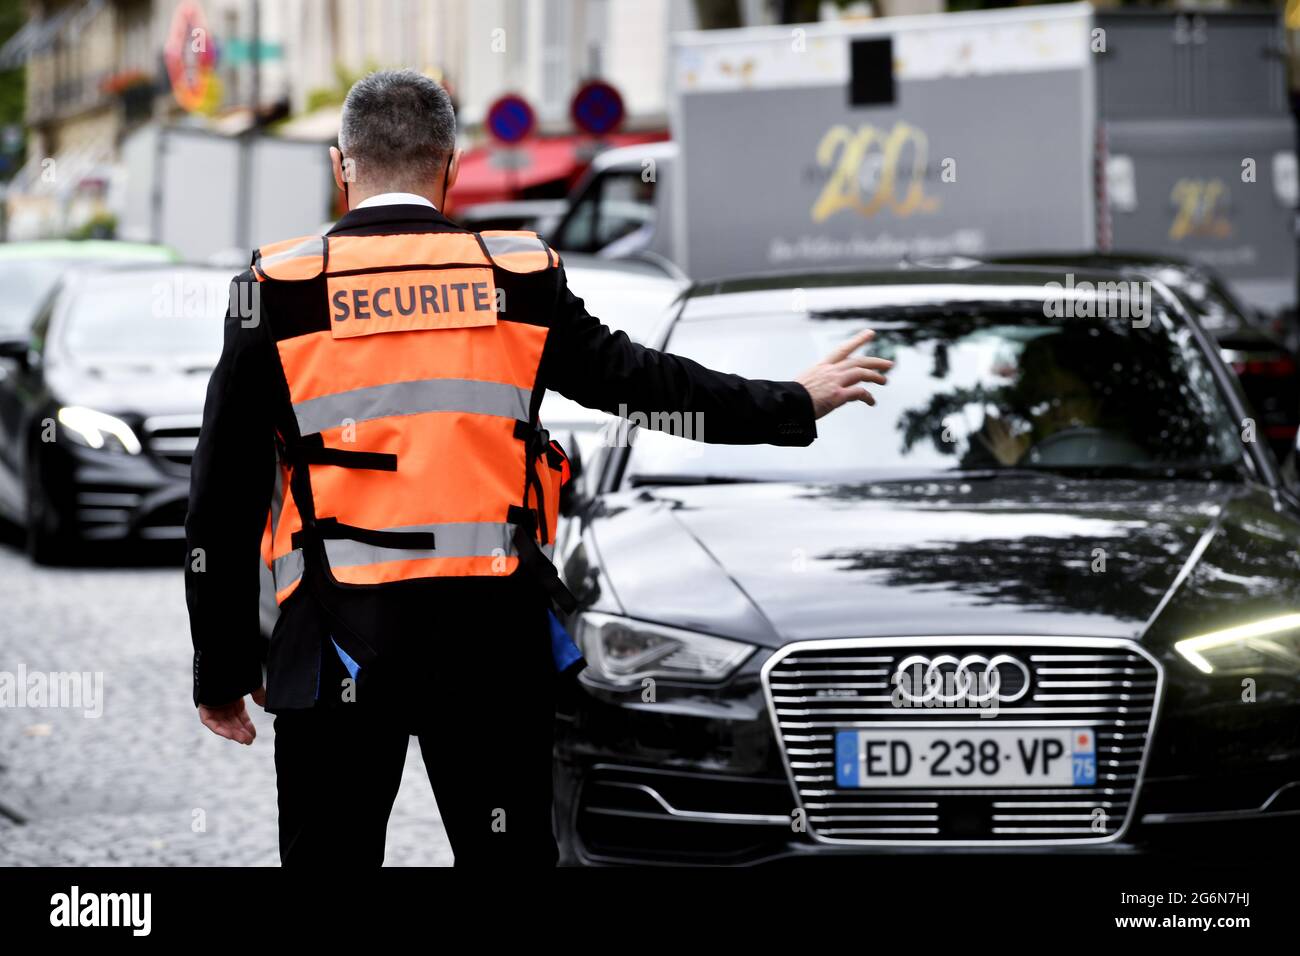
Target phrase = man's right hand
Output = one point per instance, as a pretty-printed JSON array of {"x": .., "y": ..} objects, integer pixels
[
  {"x": 838, "y": 378},
  {"x": 231, "y": 720}
]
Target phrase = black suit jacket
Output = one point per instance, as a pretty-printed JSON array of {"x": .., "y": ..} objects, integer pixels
[{"x": 233, "y": 476}]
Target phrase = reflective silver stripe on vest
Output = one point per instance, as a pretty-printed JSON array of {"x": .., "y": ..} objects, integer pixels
[
  {"x": 412, "y": 398},
  {"x": 315, "y": 246},
  {"x": 504, "y": 245},
  {"x": 467, "y": 539},
  {"x": 286, "y": 569}
]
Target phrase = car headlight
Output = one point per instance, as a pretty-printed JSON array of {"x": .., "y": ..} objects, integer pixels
[
  {"x": 95, "y": 429},
  {"x": 1271, "y": 645},
  {"x": 624, "y": 651}
]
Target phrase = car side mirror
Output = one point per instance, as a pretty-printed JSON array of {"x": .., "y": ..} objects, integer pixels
[
  {"x": 15, "y": 350},
  {"x": 1286, "y": 442},
  {"x": 574, "y": 451},
  {"x": 1286, "y": 451},
  {"x": 572, "y": 496},
  {"x": 1289, "y": 466}
]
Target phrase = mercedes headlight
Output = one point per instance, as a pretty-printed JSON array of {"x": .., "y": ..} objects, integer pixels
[
  {"x": 1271, "y": 645},
  {"x": 623, "y": 651},
  {"x": 97, "y": 430}
]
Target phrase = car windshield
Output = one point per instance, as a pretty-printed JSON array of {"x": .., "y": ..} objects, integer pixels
[
  {"x": 174, "y": 315},
  {"x": 26, "y": 283},
  {"x": 973, "y": 390}
]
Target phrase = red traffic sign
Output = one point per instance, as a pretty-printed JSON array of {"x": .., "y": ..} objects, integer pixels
[
  {"x": 510, "y": 118},
  {"x": 597, "y": 108}
]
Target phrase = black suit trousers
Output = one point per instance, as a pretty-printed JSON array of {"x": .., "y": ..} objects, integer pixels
[{"x": 482, "y": 705}]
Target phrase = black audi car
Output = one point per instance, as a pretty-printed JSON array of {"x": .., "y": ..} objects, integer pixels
[
  {"x": 1041, "y": 597},
  {"x": 100, "y": 405}
]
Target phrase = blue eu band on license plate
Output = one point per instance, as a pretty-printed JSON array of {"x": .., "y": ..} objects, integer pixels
[{"x": 974, "y": 757}]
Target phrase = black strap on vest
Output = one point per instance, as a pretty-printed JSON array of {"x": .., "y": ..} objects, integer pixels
[
  {"x": 535, "y": 561},
  {"x": 537, "y": 441},
  {"x": 333, "y": 529},
  {"x": 343, "y": 458}
]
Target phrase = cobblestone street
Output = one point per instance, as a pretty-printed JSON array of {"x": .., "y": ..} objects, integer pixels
[{"x": 126, "y": 787}]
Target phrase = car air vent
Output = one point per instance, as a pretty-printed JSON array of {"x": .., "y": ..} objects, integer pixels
[{"x": 864, "y": 746}]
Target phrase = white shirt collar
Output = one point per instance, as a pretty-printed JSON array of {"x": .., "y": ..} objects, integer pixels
[{"x": 395, "y": 199}]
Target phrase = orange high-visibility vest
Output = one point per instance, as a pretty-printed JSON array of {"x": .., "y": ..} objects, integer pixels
[{"x": 413, "y": 448}]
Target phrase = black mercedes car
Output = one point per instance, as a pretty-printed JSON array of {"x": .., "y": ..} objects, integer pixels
[
  {"x": 1041, "y": 597},
  {"x": 100, "y": 405}
]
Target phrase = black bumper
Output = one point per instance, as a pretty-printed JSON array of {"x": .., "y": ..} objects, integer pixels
[
  {"x": 98, "y": 495},
  {"x": 697, "y": 778}
]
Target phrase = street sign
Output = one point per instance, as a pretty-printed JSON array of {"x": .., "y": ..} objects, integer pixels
[
  {"x": 237, "y": 50},
  {"x": 597, "y": 108},
  {"x": 510, "y": 118},
  {"x": 190, "y": 56}
]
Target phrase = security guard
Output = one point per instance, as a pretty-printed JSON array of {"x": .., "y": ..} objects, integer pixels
[{"x": 373, "y": 421}]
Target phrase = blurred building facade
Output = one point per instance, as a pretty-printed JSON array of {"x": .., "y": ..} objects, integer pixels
[
  {"x": 540, "y": 49},
  {"x": 87, "y": 63},
  {"x": 96, "y": 70}
]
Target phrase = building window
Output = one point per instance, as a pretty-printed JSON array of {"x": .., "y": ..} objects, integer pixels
[{"x": 556, "y": 62}]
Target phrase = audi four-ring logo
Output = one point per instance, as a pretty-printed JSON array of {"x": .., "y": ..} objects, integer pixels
[{"x": 948, "y": 679}]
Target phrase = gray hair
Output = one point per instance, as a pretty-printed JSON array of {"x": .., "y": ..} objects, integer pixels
[{"x": 398, "y": 129}]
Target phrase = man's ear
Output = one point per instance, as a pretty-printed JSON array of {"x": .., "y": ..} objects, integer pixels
[
  {"x": 453, "y": 171},
  {"x": 336, "y": 160}
]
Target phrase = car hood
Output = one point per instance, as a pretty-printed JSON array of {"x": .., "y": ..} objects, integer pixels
[
  {"x": 775, "y": 562},
  {"x": 144, "y": 386}
]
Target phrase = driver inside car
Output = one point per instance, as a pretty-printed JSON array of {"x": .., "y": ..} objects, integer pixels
[{"x": 1052, "y": 393}]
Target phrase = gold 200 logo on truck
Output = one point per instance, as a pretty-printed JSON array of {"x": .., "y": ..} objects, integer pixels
[{"x": 873, "y": 170}]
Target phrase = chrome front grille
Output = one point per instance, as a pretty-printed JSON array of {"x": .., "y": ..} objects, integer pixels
[
  {"x": 172, "y": 438},
  {"x": 817, "y": 688}
]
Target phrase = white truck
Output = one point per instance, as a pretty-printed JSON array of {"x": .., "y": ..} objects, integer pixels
[
  {"x": 973, "y": 134},
  {"x": 209, "y": 195}
]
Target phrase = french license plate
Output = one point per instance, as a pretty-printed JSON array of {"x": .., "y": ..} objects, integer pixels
[{"x": 996, "y": 757}]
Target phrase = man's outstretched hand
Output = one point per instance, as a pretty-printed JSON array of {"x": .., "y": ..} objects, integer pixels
[
  {"x": 231, "y": 720},
  {"x": 838, "y": 378}
]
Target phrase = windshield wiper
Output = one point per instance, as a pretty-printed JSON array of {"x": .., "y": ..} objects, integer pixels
[
  {"x": 1218, "y": 471},
  {"x": 640, "y": 481},
  {"x": 970, "y": 474},
  {"x": 985, "y": 474}
]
